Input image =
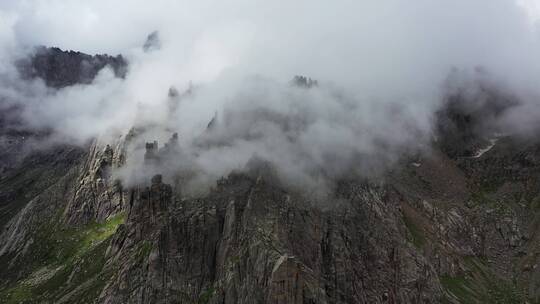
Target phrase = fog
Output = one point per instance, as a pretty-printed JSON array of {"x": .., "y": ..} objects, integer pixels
[{"x": 381, "y": 69}]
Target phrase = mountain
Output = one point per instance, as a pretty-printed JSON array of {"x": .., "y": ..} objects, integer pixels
[
  {"x": 456, "y": 225},
  {"x": 65, "y": 68}
]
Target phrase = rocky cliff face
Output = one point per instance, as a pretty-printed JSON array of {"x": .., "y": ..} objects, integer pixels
[
  {"x": 60, "y": 68},
  {"x": 451, "y": 226},
  {"x": 57, "y": 69}
]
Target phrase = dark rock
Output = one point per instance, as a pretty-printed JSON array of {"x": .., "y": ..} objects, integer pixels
[
  {"x": 304, "y": 82},
  {"x": 152, "y": 43},
  {"x": 60, "y": 68},
  {"x": 453, "y": 229},
  {"x": 151, "y": 153}
]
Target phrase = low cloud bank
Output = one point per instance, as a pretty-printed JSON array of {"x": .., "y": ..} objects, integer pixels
[{"x": 382, "y": 71}]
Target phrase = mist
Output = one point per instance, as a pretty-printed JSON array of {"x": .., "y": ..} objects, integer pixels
[{"x": 381, "y": 68}]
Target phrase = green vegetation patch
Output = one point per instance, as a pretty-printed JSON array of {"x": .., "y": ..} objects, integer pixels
[
  {"x": 484, "y": 198},
  {"x": 535, "y": 204},
  {"x": 461, "y": 288},
  {"x": 481, "y": 285},
  {"x": 64, "y": 262},
  {"x": 206, "y": 295},
  {"x": 19, "y": 294},
  {"x": 417, "y": 236},
  {"x": 144, "y": 250}
]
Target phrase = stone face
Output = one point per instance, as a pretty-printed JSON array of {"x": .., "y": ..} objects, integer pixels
[
  {"x": 98, "y": 194},
  {"x": 287, "y": 282},
  {"x": 60, "y": 68},
  {"x": 250, "y": 240},
  {"x": 449, "y": 229},
  {"x": 148, "y": 205}
]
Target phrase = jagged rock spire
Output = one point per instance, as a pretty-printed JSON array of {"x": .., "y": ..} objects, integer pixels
[
  {"x": 304, "y": 82},
  {"x": 152, "y": 43}
]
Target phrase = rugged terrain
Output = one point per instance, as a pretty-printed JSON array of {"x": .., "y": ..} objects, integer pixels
[{"x": 457, "y": 224}]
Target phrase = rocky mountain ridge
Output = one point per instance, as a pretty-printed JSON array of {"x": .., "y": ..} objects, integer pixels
[
  {"x": 58, "y": 68},
  {"x": 441, "y": 227}
]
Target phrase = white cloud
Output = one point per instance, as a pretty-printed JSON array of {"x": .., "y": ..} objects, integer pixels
[
  {"x": 532, "y": 9},
  {"x": 381, "y": 66}
]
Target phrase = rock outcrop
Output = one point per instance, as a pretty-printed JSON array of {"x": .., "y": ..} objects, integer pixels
[
  {"x": 60, "y": 68},
  {"x": 447, "y": 228}
]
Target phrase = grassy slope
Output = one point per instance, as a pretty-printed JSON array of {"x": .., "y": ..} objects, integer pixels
[{"x": 65, "y": 263}]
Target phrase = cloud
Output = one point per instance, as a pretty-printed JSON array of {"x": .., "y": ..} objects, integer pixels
[{"x": 381, "y": 67}]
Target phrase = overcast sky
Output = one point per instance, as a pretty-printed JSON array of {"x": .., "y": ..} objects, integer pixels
[{"x": 342, "y": 35}]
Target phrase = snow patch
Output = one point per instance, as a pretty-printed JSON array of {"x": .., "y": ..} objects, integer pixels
[{"x": 481, "y": 152}]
